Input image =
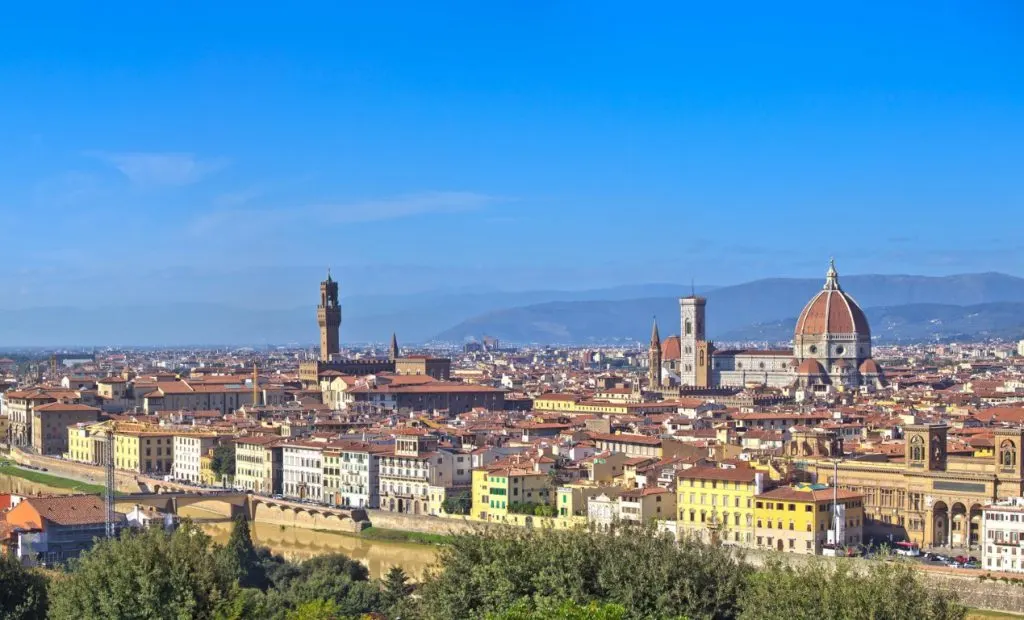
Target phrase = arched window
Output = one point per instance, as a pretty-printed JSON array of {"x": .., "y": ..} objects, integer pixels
[
  {"x": 916, "y": 448},
  {"x": 1007, "y": 453},
  {"x": 702, "y": 357},
  {"x": 689, "y": 327}
]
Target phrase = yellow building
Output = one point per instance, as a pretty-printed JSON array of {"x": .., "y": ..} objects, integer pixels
[
  {"x": 798, "y": 519},
  {"x": 81, "y": 445},
  {"x": 556, "y": 402},
  {"x": 922, "y": 493},
  {"x": 614, "y": 405},
  {"x": 258, "y": 464},
  {"x": 206, "y": 473},
  {"x": 144, "y": 452},
  {"x": 87, "y": 443},
  {"x": 716, "y": 504},
  {"x": 501, "y": 491}
]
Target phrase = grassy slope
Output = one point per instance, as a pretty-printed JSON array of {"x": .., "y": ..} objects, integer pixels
[
  {"x": 6, "y": 469},
  {"x": 379, "y": 533}
]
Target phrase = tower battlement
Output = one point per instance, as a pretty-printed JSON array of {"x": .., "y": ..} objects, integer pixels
[{"x": 328, "y": 317}]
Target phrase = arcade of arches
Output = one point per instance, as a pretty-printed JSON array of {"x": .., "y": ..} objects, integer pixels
[{"x": 925, "y": 495}]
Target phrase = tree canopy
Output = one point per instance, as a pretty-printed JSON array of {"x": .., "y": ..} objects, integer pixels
[
  {"x": 458, "y": 503},
  {"x": 827, "y": 591},
  {"x": 22, "y": 592},
  {"x": 223, "y": 460},
  {"x": 501, "y": 573},
  {"x": 544, "y": 574},
  {"x": 241, "y": 559},
  {"x": 143, "y": 575},
  {"x": 649, "y": 575}
]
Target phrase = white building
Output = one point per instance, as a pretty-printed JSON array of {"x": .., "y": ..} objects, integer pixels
[
  {"x": 416, "y": 465},
  {"x": 602, "y": 511},
  {"x": 147, "y": 516},
  {"x": 302, "y": 470},
  {"x": 188, "y": 449},
  {"x": 351, "y": 473},
  {"x": 1003, "y": 536}
]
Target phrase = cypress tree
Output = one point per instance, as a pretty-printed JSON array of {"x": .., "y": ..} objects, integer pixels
[{"x": 241, "y": 559}]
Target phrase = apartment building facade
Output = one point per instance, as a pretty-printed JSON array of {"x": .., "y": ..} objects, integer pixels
[
  {"x": 302, "y": 474},
  {"x": 258, "y": 464},
  {"x": 352, "y": 473}
]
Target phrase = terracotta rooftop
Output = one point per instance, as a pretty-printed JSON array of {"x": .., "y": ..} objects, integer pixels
[
  {"x": 745, "y": 474},
  {"x": 70, "y": 509}
]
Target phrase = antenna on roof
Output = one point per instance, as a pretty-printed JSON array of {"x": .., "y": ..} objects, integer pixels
[{"x": 693, "y": 288}]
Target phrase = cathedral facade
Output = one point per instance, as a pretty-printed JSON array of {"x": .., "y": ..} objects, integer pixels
[{"x": 831, "y": 348}]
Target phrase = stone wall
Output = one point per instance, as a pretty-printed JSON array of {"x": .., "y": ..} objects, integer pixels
[
  {"x": 978, "y": 593},
  {"x": 92, "y": 474},
  {"x": 421, "y": 523}
]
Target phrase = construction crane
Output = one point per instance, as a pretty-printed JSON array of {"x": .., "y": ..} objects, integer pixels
[{"x": 110, "y": 490}]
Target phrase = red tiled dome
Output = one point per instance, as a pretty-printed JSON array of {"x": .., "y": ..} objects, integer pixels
[
  {"x": 832, "y": 311},
  {"x": 670, "y": 348},
  {"x": 869, "y": 367},
  {"x": 810, "y": 366}
]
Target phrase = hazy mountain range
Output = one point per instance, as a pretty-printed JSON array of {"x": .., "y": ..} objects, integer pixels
[
  {"x": 907, "y": 308},
  {"x": 365, "y": 318},
  {"x": 898, "y": 307}
]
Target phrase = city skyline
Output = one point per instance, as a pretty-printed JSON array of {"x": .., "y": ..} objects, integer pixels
[{"x": 204, "y": 151}]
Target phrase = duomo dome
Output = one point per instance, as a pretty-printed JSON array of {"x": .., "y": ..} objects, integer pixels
[
  {"x": 831, "y": 349},
  {"x": 833, "y": 332}
]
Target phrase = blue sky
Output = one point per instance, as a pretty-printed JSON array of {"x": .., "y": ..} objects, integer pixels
[{"x": 225, "y": 151}]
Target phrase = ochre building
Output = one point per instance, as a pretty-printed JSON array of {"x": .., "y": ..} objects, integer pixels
[{"x": 927, "y": 496}]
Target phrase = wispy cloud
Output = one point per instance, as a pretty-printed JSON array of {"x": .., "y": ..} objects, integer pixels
[
  {"x": 406, "y": 205},
  {"x": 161, "y": 169}
]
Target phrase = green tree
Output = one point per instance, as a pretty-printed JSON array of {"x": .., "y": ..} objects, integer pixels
[
  {"x": 246, "y": 604},
  {"x": 22, "y": 592},
  {"x": 650, "y": 575},
  {"x": 458, "y": 504},
  {"x": 830, "y": 591},
  {"x": 223, "y": 460},
  {"x": 546, "y": 609},
  {"x": 241, "y": 559},
  {"x": 149, "y": 575},
  {"x": 319, "y": 609},
  {"x": 334, "y": 577},
  {"x": 394, "y": 587},
  {"x": 543, "y": 510}
]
